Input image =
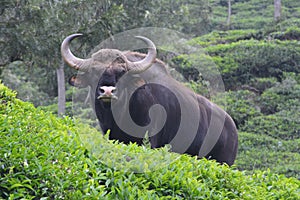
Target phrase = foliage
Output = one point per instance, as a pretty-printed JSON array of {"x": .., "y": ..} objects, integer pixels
[
  {"x": 16, "y": 78},
  {"x": 259, "y": 85},
  {"x": 77, "y": 106},
  {"x": 282, "y": 96},
  {"x": 254, "y": 59},
  {"x": 183, "y": 16},
  {"x": 282, "y": 126},
  {"x": 270, "y": 121},
  {"x": 253, "y": 14},
  {"x": 260, "y": 151},
  {"x": 200, "y": 87},
  {"x": 225, "y": 37},
  {"x": 292, "y": 33},
  {"x": 240, "y": 105},
  {"x": 44, "y": 158},
  {"x": 195, "y": 67},
  {"x": 281, "y": 105},
  {"x": 35, "y": 29},
  {"x": 240, "y": 58}
]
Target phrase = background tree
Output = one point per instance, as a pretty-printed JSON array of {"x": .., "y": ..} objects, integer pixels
[
  {"x": 35, "y": 28},
  {"x": 229, "y": 14},
  {"x": 61, "y": 88},
  {"x": 277, "y": 10}
]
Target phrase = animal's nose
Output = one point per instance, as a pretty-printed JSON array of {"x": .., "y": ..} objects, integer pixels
[{"x": 107, "y": 90}]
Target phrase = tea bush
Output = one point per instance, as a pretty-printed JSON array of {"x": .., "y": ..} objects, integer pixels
[
  {"x": 270, "y": 120},
  {"x": 254, "y": 59},
  {"x": 240, "y": 105},
  {"x": 240, "y": 58},
  {"x": 282, "y": 125},
  {"x": 292, "y": 33},
  {"x": 280, "y": 105},
  {"x": 225, "y": 37},
  {"x": 282, "y": 96},
  {"x": 260, "y": 151},
  {"x": 45, "y": 157},
  {"x": 261, "y": 84},
  {"x": 254, "y": 14}
]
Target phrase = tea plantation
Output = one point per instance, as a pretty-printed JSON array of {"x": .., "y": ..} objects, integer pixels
[
  {"x": 45, "y": 157},
  {"x": 261, "y": 74}
]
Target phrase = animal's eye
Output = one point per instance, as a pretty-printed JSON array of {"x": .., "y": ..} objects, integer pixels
[
  {"x": 120, "y": 60},
  {"x": 120, "y": 73},
  {"x": 122, "y": 70}
]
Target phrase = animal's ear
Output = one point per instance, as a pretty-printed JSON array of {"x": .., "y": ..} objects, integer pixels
[{"x": 78, "y": 81}]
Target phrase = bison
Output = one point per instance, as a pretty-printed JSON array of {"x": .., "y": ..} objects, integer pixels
[{"x": 133, "y": 95}]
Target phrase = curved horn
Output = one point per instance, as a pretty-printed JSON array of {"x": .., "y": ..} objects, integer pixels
[
  {"x": 143, "y": 65},
  {"x": 69, "y": 58}
]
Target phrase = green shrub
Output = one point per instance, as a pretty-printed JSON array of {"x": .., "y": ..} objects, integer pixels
[
  {"x": 284, "y": 126},
  {"x": 263, "y": 59},
  {"x": 282, "y": 96},
  {"x": 196, "y": 66},
  {"x": 45, "y": 157},
  {"x": 240, "y": 62},
  {"x": 254, "y": 14},
  {"x": 260, "y": 151},
  {"x": 280, "y": 105},
  {"x": 269, "y": 102},
  {"x": 240, "y": 57},
  {"x": 286, "y": 24},
  {"x": 77, "y": 105},
  {"x": 200, "y": 87},
  {"x": 17, "y": 76},
  {"x": 261, "y": 84},
  {"x": 292, "y": 33},
  {"x": 240, "y": 105},
  {"x": 225, "y": 37}
]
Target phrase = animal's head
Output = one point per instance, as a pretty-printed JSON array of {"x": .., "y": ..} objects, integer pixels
[{"x": 104, "y": 69}]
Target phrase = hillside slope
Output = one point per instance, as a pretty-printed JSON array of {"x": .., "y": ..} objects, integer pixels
[
  {"x": 45, "y": 156},
  {"x": 254, "y": 14},
  {"x": 259, "y": 61}
]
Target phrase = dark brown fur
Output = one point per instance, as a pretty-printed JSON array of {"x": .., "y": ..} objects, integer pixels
[{"x": 149, "y": 94}]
